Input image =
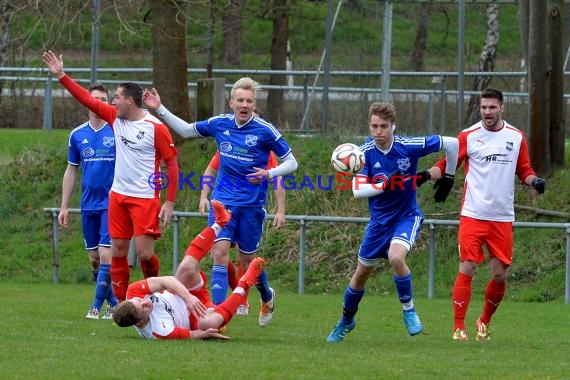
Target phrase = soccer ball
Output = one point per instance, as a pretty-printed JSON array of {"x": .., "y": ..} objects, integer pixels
[{"x": 347, "y": 158}]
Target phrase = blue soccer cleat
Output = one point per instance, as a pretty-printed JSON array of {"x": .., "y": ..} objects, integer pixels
[
  {"x": 339, "y": 331},
  {"x": 412, "y": 322}
]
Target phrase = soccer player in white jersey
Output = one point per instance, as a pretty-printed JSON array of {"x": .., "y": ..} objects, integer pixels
[
  {"x": 388, "y": 180},
  {"x": 244, "y": 142},
  {"x": 142, "y": 142},
  {"x": 92, "y": 146},
  {"x": 493, "y": 152}
]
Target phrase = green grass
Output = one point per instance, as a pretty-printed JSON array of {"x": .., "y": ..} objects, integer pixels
[{"x": 44, "y": 335}]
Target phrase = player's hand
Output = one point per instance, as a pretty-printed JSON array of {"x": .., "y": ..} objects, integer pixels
[
  {"x": 62, "y": 217},
  {"x": 422, "y": 177},
  {"x": 204, "y": 206},
  {"x": 54, "y": 63},
  {"x": 443, "y": 187},
  {"x": 258, "y": 176},
  {"x": 166, "y": 213},
  {"x": 539, "y": 184},
  {"x": 195, "y": 306},
  {"x": 210, "y": 333},
  {"x": 151, "y": 99},
  {"x": 279, "y": 220}
]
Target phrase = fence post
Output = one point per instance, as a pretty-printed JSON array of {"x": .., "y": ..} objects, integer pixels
[
  {"x": 175, "y": 243},
  {"x": 47, "y": 111},
  {"x": 431, "y": 261},
  {"x": 55, "y": 233},
  {"x": 302, "y": 254}
]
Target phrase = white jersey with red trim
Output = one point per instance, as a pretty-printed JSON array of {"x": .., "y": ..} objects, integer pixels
[
  {"x": 492, "y": 158},
  {"x": 168, "y": 311},
  {"x": 137, "y": 155}
]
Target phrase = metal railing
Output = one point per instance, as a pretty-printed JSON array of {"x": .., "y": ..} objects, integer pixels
[{"x": 302, "y": 220}]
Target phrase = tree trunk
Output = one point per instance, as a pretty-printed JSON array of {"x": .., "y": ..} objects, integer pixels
[
  {"x": 420, "y": 42},
  {"x": 6, "y": 11},
  {"x": 556, "y": 33},
  {"x": 231, "y": 32},
  {"x": 278, "y": 60},
  {"x": 486, "y": 63},
  {"x": 169, "y": 56},
  {"x": 539, "y": 141},
  {"x": 523, "y": 20}
]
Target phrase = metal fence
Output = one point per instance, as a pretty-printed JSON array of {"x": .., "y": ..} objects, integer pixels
[{"x": 303, "y": 220}]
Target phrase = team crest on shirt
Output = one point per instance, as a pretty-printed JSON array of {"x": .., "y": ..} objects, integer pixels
[
  {"x": 140, "y": 135},
  {"x": 403, "y": 164},
  {"x": 88, "y": 152},
  {"x": 108, "y": 141},
  {"x": 251, "y": 140},
  {"x": 509, "y": 145}
]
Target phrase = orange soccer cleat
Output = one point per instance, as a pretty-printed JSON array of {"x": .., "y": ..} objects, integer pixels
[{"x": 221, "y": 215}]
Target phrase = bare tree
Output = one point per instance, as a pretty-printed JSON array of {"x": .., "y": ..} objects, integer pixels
[
  {"x": 231, "y": 32},
  {"x": 420, "y": 42},
  {"x": 169, "y": 65},
  {"x": 278, "y": 60},
  {"x": 6, "y": 12},
  {"x": 556, "y": 111},
  {"x": 486, "y": 62}
]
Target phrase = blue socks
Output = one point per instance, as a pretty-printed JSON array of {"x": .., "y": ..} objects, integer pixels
[
  {"x": 219, "y": 283},
  {"x": 263, "y": 287},
  {"x": 352, "y": 298},
  {"x": 103, "y": 288},
  {"x": 404, "y": 289}
]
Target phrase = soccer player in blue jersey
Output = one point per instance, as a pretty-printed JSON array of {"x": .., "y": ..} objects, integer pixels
[
  {"x": 388, "y": 180},
  {"x": 244, "y": 142},
  {"x": 92, "y": 146}
]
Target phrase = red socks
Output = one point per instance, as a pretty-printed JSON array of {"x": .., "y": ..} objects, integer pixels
[
  {"x": 150, "y": 267},
  {"x": 201, "y": 244},
  {"x": 120, "y": 275},
  {"x": 494, "y": 294},
  {"x": 461, "y": 297},
  {"x": 229, "y": 307}
]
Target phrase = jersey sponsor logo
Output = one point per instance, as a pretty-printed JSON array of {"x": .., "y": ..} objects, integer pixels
[
  {"x": 85, "y": 141},
  {"x": 225, "y": 147},
  {"x": 251, "y": 140},
  {"x": 88, "y": 152},
  {"x": 108, "y": 141},
  {"x": 404, "y": 164},
  {"x": 498, "y": 158},
  {"x": 226, "y": 133},
  {"x": 129, "y": 144}
]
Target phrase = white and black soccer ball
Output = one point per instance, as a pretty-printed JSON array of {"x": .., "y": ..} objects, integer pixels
[{"x": 347, "y": 158}]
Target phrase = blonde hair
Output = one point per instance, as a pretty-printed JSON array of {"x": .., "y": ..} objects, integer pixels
[
  {"x": 384, "y": 110},
  {"x": 246, "y": 84}
]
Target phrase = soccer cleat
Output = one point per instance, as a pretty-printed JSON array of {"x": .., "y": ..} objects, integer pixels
[
  {"x": 108, "y": 314},
  {"x": 412, "y": 322},
  {"x": 266, "y": 311},
  {"x": 93, "y": 313},
  {"x": 460, "y": 335},
  {"x": 221, "y": 215},
  {"x": 251, "y": 276},
  {"x": 339, "y": 331},
  {"x": 483, "y": 332},
  {"x": 243, "y": 310}
]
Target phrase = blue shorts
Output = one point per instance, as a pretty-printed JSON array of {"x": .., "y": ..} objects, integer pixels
[
  {"x": 377, "y": 239},
  {"x": 95, "y": 224},
  {"x": 245, "y": 228}
]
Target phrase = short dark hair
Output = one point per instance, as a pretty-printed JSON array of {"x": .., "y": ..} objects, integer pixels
[
  {"x": 126, "y": 314},
  {"x": 133, "y": 90},
  {"x": 97, "y": 86},
  {"x": 492, "y": 93}
]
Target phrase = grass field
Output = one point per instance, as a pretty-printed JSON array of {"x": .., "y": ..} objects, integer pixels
[{"x": 44, "y": 335}]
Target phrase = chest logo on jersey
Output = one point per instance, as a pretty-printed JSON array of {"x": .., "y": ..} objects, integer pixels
[
  {"x": 509, "y": 145},
  {"x": 226, "y": 147},
  {"x": 129, "y": 144},
  {"x": 108, "y": 141},
  {"x": 140, "y": 135},
  {"x": 403, "y": 164},
  {"x": 251, "y": 140},
  {"x": 88, "y": 152}
]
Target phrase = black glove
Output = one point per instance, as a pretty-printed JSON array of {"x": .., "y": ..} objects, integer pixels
[
  {"x": 422, "y": 177},
  {"x": 539, "y": 184},
  {"x": 442, "y": 188}
]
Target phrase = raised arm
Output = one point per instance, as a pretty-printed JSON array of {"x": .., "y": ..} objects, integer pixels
[{"x": 184, "y": 129}]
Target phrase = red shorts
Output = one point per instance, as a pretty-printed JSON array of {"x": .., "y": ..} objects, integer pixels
[
  {"x": 131, "y": 217},
  {"x": 496, "y": 236}
]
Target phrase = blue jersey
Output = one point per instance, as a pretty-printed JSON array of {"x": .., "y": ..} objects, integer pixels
[
  {"x": 241, "y": 149},
  {"x": 94, "y": 151},
  {"x": 388, "y": 207}
]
